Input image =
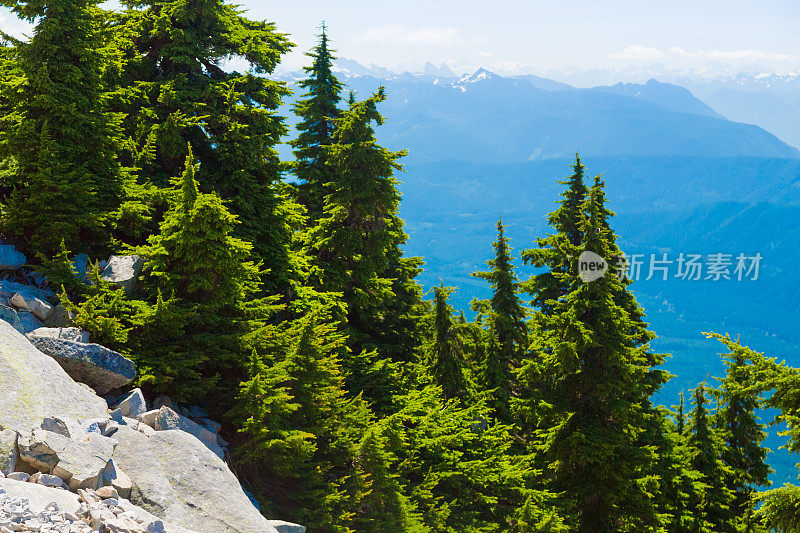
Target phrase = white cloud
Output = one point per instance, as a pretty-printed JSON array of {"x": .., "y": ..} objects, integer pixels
[
  {"x": 394, "y": 34},
  {"x": 13, "y": 26},
  {"x": 645, "y": 53}
]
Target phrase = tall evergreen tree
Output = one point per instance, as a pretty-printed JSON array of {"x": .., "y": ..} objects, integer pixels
[
  {"x": 447, "y": 358},
  {"x": 66, "y": 180},
  {"x": 600, "y": 380},
  {"x": 743, "y": 452},
  {"x": 558, "y": 251},
  {"x": 175, "y": 92},
  {"x": 713, "y": 512},
  {"x": 508, "y": 328},
  {"x": 317, "y": 110}
]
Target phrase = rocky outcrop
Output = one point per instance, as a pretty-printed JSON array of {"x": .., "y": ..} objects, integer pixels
[
  {"x": 33, "y": 387},
  {"x": 167, "y": 419},
  {"x": 26, "y": 302},
  {"x": 123, "y": 270},
  {"x": 178, "y": 479},
  {"x": 132, "y": 405},
  {"x": 8, "y": 451},
  {"x": 102, "y": 369}
]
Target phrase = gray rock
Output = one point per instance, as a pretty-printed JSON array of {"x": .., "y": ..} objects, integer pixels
[
  {"x": 19, "y": 476},
  {"x": 9, "y": 314},
  {"x": 149, "y": 418},
  {"x": 97, "y": 366},
  {"x": 115, "y": 477},
  {"x": 48, "y": 480},
  {"x": 40, "y": 496},
  {"x": 33, "y": 386},
  {"x": 40, "y": 308},
  {"x": 29, "y": 321},
  {"x": 195, "y": 412},
  {"x": 8, "y": 451},
  {"x": 124, "y": 271},
  {"x": 138, "y": 426},
  {"x": 79, "y": 463},
  {"x": 210, "y": 425},
  {"x": 179, "y": 480},
  {"x": 68, "y": 333},
  {"x": 286, "y": 527},
  {"x": 10, "y": 258},
  {"x": 60, "y": 318},
  {"x": 168, "y": 419},
  {"x": 132, "y": 405}
]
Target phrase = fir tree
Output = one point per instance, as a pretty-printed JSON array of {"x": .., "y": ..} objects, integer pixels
[
  {"x": 176, "y": 93},
  {"x": 303, "y": 432},
  {"x": 743, "y": 452},
  {"x": 66, "y": 180},
  {"x": 558, "y": 251},
  {"x": 210, "y": 282},
  {"x": 713, "y": 511},
  {"x": 508, "y": 328},
  {"x": 599, "y": 380},
  {"x": 447, "y": 358},
  {"x": 317, "y": 111}
]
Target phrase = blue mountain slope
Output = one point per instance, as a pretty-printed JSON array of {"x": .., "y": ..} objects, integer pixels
[{"x": 665, "y": 95}]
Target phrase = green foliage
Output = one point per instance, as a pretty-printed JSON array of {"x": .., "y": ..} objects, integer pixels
[
  {"x": 317, "y": 111},
  {"x": 66, "y": 181},
  {"x": 508, "y": 330},
  {"x": 447, "y": 356}
]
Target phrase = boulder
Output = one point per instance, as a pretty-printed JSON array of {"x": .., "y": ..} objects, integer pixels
[
  {"x": 48, "y": 480},
  {"x": 132, "y": 405},
  {"x": 29, "y": 321},
  {"x": 19, "y": 476},
  {"x": 149, "y": 418},
  {"x": 68, "y": 333},
  {"x": 141, "y": 427},
  {"x": 168, "y": 419},
  {"x": 113, "y": 476},
  {"x": 124, "y": 271},
  {"x": 61, "y": 317},
  {"x": 210, "y": 425},
  {"x": 161, "y": 401},
  {"x": 179, "y": 480},
  {"x": 37, "y": 306},
  {"x": 10, "y": 258},
  {"x": 8, "y": 451},
  {"x": 97, "y": 366},
  {"x": 9, "y": 314},
  {"x": 33, "y": 386},
  {"x": 286, "y": 527},
  {"x": 79, "y": 463}
]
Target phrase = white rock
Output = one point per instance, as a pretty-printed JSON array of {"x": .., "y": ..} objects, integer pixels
[
  {"x": 123, "y": 270},
  {"x": 149, "y": 418},
  {"x": 168, "y": 419},
  {"x": 66, "y": 333},
  {"x": 113, "y": 476},
  {"x": 37, "y": 306},
  {"x": 132, "y": 405}
]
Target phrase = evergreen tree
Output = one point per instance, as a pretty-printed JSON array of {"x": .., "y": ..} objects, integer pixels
[
  {"x": 558, "y": 251},
  {"x": 66, "y": 180},
  {"x": 176, "y": 93},
  {"x": 713, "y": 512},
  {"x": 317, "y": 111},
  {"x": 508, "y": 328},
  {"x": 447, "y": 357},
  {"x": 210, "y": 282},
  {"x": 743, "y": 452},
  {"x": 303, "y": 432},
  {"x": 600, "y": 378}
]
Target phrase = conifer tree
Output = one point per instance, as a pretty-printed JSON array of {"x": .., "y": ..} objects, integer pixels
[
  {"x": 558, "y": 251},
  {"x": 304, "y": 433},
  {"x": 600, "y": 378},
  {"x": 713, "y": 512},
  {"x": 176, "y": 93},
  {"x": 66, "y": 181},
  {"x": 508, "y": 329},
  {"x": 204, "y": 280},
  {"x": 447, "y": 357},
  {"x": 743, "y": 452},
  {"x": 317, "y": 111}
]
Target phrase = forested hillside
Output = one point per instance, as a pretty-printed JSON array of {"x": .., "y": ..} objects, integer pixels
[{"x": 277, "y": 295}]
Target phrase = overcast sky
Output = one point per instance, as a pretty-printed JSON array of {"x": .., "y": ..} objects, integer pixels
[{"x": 537, "y": 35}]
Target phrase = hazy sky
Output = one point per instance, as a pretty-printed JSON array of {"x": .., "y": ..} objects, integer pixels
[{"x": 536, "y": 35}]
